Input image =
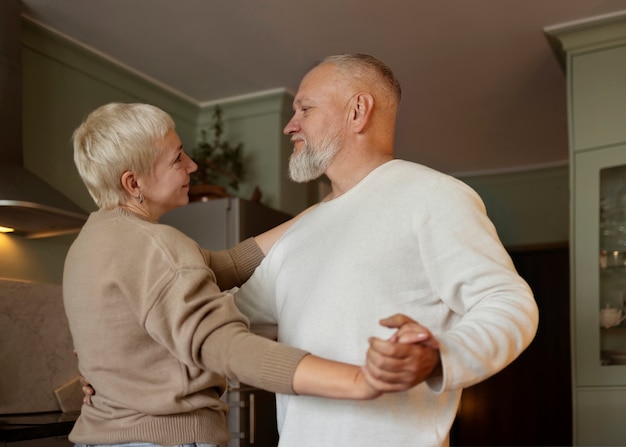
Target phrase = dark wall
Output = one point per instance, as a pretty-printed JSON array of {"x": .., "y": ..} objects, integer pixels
[{"x": 529, "y": 402}]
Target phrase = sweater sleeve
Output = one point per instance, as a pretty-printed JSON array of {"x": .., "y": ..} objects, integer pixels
[
  {"x": 202, "y": 327},
  {"x": 234, "y": 266},
  {"x": 473, "y": 274}
]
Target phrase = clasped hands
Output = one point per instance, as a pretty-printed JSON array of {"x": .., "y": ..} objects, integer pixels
[{"x": 407, "y": 358}]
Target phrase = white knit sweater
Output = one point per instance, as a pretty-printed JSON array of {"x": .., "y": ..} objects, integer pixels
[{"x": 406, "y": 239}]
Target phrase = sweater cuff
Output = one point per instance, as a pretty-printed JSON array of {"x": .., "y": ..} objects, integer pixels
[
  {"x": 279, "y": 368},
  {"x": 249, "y": 256}
]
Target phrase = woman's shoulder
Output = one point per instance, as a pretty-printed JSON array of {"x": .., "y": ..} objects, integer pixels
[
  {"x": 175, "y": 241},
  {"x": 153, "y": 239}
]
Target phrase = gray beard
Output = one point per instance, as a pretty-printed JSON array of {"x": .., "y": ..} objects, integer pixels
[{"x": 311, "y": 163}]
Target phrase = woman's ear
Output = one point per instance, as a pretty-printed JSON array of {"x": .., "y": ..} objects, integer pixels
[
  {"x": 362, "y": 109},
  {"x": 129, "y": 183}
]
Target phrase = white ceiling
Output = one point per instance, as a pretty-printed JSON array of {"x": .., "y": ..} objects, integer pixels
[{"x": 482, "y": 90}]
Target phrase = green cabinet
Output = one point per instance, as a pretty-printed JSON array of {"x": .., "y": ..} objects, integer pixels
[{"x": 593, "y": 53}]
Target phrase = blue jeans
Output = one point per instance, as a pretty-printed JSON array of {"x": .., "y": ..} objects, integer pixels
[{"x": 145, "y": 444}]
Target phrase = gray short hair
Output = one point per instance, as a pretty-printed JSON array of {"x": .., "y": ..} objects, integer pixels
[
  {"x": 355, "y": 63},
  {"x": 116, "y": 138}
]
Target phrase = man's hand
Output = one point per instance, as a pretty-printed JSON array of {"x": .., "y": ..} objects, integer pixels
[
  {"x": 408, "y": 358},
  {"x": 87, "y": 390}
]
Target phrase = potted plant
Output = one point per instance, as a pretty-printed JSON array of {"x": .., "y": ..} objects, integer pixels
[{"x": 220, "y": 163}]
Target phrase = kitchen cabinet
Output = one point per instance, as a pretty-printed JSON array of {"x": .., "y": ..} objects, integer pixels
[
  {"x": 593, "y": 53},
  {"x": 252, "y": 417}
]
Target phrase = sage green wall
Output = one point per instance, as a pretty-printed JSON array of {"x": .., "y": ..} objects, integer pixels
[
  {"x": 63, "y": 82},
  {"x": 528, "y": 207}
]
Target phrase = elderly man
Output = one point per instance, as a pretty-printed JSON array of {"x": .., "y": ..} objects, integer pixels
[{"x": 391, "y": 238}]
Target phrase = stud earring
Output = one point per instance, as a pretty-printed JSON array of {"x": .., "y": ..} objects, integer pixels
[{"x": 139, "y": 197}]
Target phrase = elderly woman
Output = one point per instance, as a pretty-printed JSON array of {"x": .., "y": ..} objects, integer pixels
[{"x": 153, "y": 332}]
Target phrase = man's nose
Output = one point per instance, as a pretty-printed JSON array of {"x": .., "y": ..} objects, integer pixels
[{"x": 291, "y": 127}]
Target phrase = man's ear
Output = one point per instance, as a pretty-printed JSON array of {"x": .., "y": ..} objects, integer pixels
[
  {"x": 129, "y": 183},
  {"x": 361, "y": 110}
]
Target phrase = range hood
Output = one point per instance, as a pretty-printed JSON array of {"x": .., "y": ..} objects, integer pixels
[{"x": 28, "y": 204}]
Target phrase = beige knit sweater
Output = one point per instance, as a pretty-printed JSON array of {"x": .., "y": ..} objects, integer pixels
[{"x": 155, "y": 335}]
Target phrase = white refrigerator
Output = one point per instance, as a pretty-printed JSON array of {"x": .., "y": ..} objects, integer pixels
[{"x": 219, "y": 224}]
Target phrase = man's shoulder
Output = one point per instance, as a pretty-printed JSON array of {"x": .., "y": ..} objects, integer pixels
[{"x": 414, "y": 171}]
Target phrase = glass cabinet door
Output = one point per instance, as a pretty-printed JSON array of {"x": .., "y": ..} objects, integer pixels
[{"x": 599, "y": 270}]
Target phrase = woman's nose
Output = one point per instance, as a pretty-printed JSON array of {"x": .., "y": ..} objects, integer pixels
[{"x": 193, "y": 166}]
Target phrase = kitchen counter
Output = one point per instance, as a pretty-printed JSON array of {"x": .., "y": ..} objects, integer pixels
[{"x": 20, "y": 427}]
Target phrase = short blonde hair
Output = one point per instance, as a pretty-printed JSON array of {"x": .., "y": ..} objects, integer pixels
[{"x": 116, "y": 138}]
